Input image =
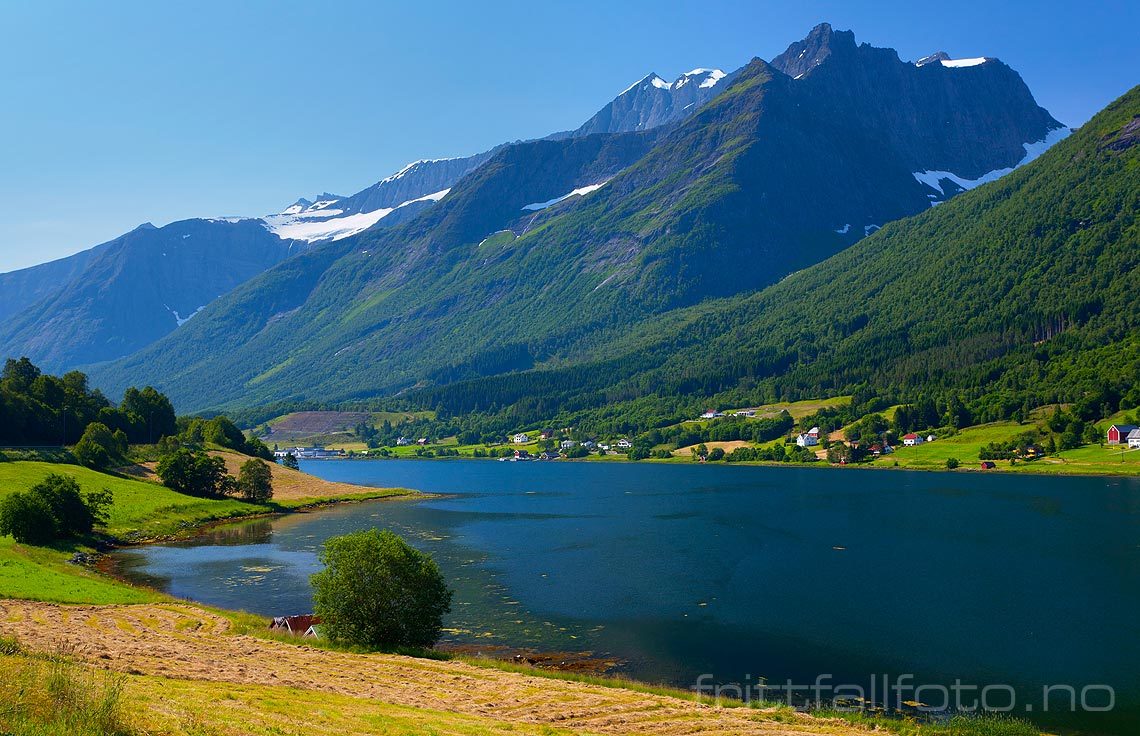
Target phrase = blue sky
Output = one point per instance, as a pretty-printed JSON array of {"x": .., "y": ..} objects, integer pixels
[{"x": 122, "y": 112}]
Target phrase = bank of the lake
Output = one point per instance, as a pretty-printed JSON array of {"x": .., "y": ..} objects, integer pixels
[{"x": 678, "y": 570}]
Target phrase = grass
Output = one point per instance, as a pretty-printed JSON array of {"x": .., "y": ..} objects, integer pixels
[
  {"x": 967, "y": 443},
  {"x": 57, "y": 696},
  {"x": 973, "y": 725},
  {"x": 141, "y": 510}
]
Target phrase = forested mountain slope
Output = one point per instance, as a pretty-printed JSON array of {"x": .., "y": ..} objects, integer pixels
[{"x": 1021, "y": 292}]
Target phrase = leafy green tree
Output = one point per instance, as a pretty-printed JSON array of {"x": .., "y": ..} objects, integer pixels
[
  {"x": 99, "y": 446},
  {"x": 951, "y": 463},
  {"x": 378, "y": 591},
  {"x": 255, "y": 481},
  {"x": 289, "y": 460},
  {"x": 716, "y": 454},
  {"x": 27, "y": 518},
  {"x": 194, "y": 472},
  {"x": 51, "y": 509},
  {"x": 154, "y": 413}
]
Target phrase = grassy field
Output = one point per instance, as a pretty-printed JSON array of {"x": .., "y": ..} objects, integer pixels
[
  {"x": 966, "y": 444},
  {"x": 141, "y": 510},
  {"x": 177, "y": 668}
]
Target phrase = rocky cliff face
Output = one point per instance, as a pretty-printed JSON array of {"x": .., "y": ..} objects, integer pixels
[{"x": 652, "y": 102}]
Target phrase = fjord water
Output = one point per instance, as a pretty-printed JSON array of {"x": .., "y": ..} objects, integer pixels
[{"x": 739, "y": 572}]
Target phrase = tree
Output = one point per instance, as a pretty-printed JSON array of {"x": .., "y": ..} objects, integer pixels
[
  {"x": 378, "y": 591},
  {"x": 154, "y": 412},
  {"x": 289, "y": 460},
  {"x": 951, "y": 463},
  {"x": 98, "y": 446},
  {"x": 27, "y": 518},
  {"x": 194, "y": 472},
  {"x": 52, "y": 508},
  {"x": 255, "y": 481}
]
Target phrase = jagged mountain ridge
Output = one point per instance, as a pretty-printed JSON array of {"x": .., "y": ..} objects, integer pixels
[
  {"x": 769, "y": 177},
  {"x": 32, "y": 296}
]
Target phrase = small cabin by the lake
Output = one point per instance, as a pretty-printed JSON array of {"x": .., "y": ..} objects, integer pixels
[{"x": 303, "y": 625}]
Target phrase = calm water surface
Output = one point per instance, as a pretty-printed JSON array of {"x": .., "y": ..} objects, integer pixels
[{"x": 739, "y": 572}]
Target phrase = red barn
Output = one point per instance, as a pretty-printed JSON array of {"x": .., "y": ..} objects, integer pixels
[{"x": 1118, "y": 433}]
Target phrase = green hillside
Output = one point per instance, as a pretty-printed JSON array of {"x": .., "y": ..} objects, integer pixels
[{"x": 1019, "y": 293}]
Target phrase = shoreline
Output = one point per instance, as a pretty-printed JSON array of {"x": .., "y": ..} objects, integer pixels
[{"x": 999, "y": 470}]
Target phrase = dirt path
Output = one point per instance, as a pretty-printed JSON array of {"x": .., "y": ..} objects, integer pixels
[{"x": 185, "y": 642}]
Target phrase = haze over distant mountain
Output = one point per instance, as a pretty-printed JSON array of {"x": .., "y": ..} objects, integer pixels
[
  {"x": 41, "y": 307},
  {"x": 551, "y": 248}
]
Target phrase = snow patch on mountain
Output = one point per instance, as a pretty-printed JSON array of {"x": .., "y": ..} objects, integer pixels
[
  {"x": 579, "y": 192},
  {"x": 933, "y": 179},
  {"x": 183, "y": 320},
  {"x": 320, "y": 222},
  {"x": 957, "y": 63}
]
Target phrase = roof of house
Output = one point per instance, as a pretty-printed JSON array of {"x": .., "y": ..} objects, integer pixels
[
  {"x": 911, "y": 436},
  {"x": 295, "y": 624},
  {"x": 1123, "y": 428},
  {"x": 1134, "y": 434}
]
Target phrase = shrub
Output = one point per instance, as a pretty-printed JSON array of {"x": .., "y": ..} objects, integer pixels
[
  {"x": 27, "y": 518},
  {"x": 290, "y": 461},
  {"x": 51, "y": 509},
  {"x": 194, "y": 472},
  {"x": 377, "y": 591},
  {"x": 951, "y": 463},
  {"x": 716, "y": 454},
  {"x": 255, "y": 481},
  {"x": 99, "y": 446}
]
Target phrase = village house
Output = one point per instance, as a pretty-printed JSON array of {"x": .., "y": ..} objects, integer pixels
[
  {"x": 813, "y": 432},
  {"x": 522, "y": 455},
  {"x": 548, "y": 434},
  {"x": 590, "y": 445},
  {"x": 521, "y": 438},
  {"x": 912, "y": 439},
  {"x": 567, "y": 444},
  {"x": 308, "y": 453},
  {"x": 988, "y": 465},
  {"x": 808, "y": 440},
  {"x": 548, "y": 455},
  {"x": 1118, "y": 433},
  {"x": 1134, "y": 439},
  {"x": 422, "y": 442},
  {"x": 403, "y": 441},
  {"x": 711, "y": 414},
  {"x": 624, "y": 444}
]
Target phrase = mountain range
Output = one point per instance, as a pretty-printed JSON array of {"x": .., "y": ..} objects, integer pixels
[
  {"x": 548, "y": 254},
  {"x": 79, "y": 310}
]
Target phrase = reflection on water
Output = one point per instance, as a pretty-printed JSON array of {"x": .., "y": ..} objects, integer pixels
[{"x": 738, "y": 572}]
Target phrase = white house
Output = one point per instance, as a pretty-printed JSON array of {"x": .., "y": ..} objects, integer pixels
[
  {"x": 807, "y": 440},
  {"x": 912, "y": 439},
  {"x": 567, "y": 444},
  {"x": 1134, "y": 439},
  {"x": 624, "y": 444},
  {"x": 521, "y": 438},
  {"x": 813, "y": 432},
  {"x": 712, "y": 414},
  {"x": 929, "y": 438}
]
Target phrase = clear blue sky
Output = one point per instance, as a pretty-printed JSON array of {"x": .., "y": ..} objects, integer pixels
[{"x": 117, "y": 113}]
